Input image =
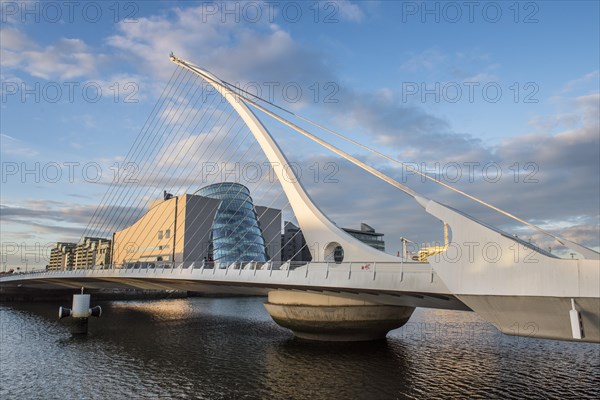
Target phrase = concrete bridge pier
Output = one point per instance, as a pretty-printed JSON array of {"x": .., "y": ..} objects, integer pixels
[{"x": 324, "y": 317}]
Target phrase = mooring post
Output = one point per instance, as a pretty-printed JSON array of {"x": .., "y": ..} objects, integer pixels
[{"x": 80, "y": 312}]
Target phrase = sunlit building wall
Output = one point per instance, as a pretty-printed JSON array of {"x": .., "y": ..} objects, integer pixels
[
  {"x": 92, "y": 251},
  {"x": 62, "y": 256}
]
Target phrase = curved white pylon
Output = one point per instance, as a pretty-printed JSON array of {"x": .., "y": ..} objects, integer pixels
[
  {"x": 321, "y": 234},
  {"x": 326, "y": 245}
]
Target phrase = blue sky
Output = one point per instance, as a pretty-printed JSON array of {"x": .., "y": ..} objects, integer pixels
[{"x": 380, "y": 56}]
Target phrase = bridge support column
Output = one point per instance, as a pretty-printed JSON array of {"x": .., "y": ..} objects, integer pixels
[{"x": 323, "y": 317}]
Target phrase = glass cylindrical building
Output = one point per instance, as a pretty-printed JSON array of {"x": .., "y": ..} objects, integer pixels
[{"x": 236, "y": 235}]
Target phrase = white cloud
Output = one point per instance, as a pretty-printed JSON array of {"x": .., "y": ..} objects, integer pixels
[
  {"x": 585, "y": 81},
  {"x": 15, "y": 147},
  {"x": 67, "y": 58},
  {"x": 349, "y": 11},
  {"x": 439, "y": 66},
  {"x": 259, "y": 51},
  {"x": 63, "y": 220},
  {"x": 428, "y": 59}
]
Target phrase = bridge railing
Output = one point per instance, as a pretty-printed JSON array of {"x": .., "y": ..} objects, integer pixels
[{"x": 277, "y": 270}]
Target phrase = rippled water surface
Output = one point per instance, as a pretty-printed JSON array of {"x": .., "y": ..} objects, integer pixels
[{"x": 203, "y": 348}]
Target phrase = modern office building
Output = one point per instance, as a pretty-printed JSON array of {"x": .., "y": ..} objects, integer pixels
[
  {"x": 62, "y": 256},
  {"x": 367, "y": 235},
  {"x": 294, "y": 246},
  {"x": 218, "y": 223}
]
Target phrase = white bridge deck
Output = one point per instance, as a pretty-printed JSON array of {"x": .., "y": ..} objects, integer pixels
[{"x": 407, "y": 284}]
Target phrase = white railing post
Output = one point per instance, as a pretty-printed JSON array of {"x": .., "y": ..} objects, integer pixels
[
  {"x": 374, "y": 269},
  {"x": 401, "y": 272}
]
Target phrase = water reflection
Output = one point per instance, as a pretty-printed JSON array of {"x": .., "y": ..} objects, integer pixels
[
  {"x": 230, "y": 349},
  {"x": 338, "y": 370}
]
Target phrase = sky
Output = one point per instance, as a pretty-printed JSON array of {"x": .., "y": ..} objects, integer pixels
[{"x": 500, "y": 99}]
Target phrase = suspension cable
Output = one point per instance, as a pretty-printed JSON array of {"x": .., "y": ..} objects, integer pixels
[{"x": 347, "y": 156}]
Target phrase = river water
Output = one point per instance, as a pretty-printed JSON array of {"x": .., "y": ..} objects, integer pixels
[{"x": 206, "y": 348}]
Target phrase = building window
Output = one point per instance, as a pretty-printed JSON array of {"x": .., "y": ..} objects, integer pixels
[
  {"x": 168, "y": 233},
  {"x": 160, "y": 235}
]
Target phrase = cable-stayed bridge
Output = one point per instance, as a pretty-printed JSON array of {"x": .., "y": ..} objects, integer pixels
[{"x": 349, "y": 291}]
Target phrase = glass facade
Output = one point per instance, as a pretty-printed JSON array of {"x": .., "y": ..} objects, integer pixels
[{"x": 235, "y": 234}]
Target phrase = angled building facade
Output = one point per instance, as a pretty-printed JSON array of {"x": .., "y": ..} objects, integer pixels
[{"x": 293, "y": 245}]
